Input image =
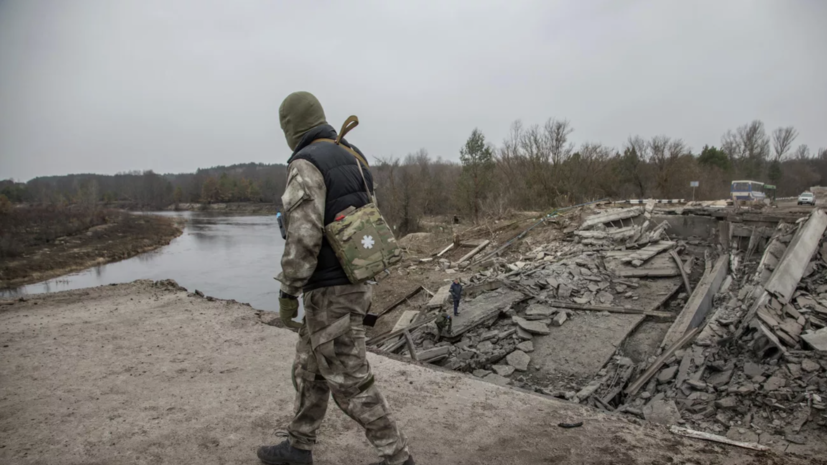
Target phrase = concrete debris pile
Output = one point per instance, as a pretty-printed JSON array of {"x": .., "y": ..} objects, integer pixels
[
  {"x": 634, "y": 227},
  {"x": 755, "y": 368},
  {"x": 720, "y": 325}
]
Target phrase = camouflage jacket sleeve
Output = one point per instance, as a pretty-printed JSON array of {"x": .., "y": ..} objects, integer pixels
[{"x": 303, "y": 202}]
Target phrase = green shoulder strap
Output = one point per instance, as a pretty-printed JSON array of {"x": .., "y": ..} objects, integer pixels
[{"x": 351, "y": 122}]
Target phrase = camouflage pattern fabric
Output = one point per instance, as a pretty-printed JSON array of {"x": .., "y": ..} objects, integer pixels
[
  {"x": 330, "y": 358},
  {"x": 304, "y": 201},
  {"x": 364, "y": 243},
  {"x": 443, "y": 322}
]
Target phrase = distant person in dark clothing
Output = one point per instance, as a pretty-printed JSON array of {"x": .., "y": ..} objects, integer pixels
[{"x": 456, "y": 295}]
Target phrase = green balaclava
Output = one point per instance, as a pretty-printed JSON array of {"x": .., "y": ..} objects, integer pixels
[{"x": 299, "y": 113}]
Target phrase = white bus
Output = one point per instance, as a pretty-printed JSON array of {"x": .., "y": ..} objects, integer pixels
[{"x": 746, "y": 191}]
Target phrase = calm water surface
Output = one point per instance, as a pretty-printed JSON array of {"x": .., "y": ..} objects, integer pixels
[{"x": 229, "y": 257}]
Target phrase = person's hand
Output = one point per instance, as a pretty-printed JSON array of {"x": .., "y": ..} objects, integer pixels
[{"x": 289, "y": 309}]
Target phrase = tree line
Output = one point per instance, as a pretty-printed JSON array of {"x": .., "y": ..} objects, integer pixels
[
  {"x": 250, "y": 182},
  {"x": 535, "y": 168}
]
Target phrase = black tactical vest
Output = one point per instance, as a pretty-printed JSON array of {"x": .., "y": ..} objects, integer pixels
[{"x": 345, "y": 188}]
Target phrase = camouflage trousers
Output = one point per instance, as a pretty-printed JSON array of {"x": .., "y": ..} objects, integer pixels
[{"x": 330, "y": 359}]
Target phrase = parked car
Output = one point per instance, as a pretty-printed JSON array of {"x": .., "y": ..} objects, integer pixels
[{"x": 807, "y": 198}]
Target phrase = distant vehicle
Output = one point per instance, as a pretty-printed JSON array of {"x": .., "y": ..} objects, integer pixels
[
  {"x": 807, "y": 198},
  {"x": 746, "y": 191}
]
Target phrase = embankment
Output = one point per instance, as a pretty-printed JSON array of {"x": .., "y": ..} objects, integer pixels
[
  {"x": 44, "y": 243},
  {"x": 147, "y": 373}
]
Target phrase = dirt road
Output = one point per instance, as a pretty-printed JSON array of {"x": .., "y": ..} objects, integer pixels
[{"x": 145, "y": 374}]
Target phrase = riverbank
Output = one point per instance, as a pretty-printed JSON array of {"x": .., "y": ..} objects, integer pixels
[
  {"x": 44, "y": 243},
  {"x": 148, "y": 373},
  {"x": 247, "y": 208}
]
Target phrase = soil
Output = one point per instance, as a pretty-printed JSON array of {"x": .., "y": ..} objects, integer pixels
[
  {"x": 123, "y": 236},
  {"x": 147, "y": 373}
]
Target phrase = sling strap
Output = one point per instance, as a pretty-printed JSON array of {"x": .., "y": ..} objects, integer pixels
[{"x": 351, "y": 122}]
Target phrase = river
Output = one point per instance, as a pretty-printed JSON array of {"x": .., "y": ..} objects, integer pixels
[{"x": 228, "y": 257}]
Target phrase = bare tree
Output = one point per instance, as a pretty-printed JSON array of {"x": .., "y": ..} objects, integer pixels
[
  {"x": 782, "y": 141},
  {"x": 557, "y": 135},
  {"x": 802, "y": 153}
]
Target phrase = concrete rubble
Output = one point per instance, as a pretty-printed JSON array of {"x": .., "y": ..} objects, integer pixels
[{"x": 738, "y": 297}]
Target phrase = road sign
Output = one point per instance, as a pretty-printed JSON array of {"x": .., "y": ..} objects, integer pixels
[{"x": 693, "y": 183}]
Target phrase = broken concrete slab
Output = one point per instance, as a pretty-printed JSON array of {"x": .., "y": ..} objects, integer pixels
[
  {"x": 719, "y": 379},
  {"x": 489, "y": 335},
  {"x": 727, "y": 402},
  {"x": 810, "y": 366},
  {"x": 538, "y": 312},
  {"x": 483, "y": 308},
  {"x": 662, "y": 412},
  {"x": 816, "y": 339},
  {"x": 667, "y": 374},
  {"x": 503, "y": 370},
  {"x": 608, "y": 217},
  {"x": 790, "y": 268},
  {"x": 699, "y": 303},
  {"x": 440, "y": 297},
  {"x": 559, "y": 319},
  {"x": 533, "y": 327},
  {"x": 481, "y": 373},
  {"x": 775, "y": 383},
  {"x": 497, "y": 379},
  {"x": 485, "y": 346},
  {"x": 638, "y": 258},
  {"x": 752, "y": 370},
  {"x": 405, "y": 319},
  {"x": 526, "y": 346},
  {"x": 519, "y": 360},
  {"x": 524, "y": 335}
]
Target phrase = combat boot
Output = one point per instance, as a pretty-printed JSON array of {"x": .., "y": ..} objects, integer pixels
[
  {"x": 284, "y": 454},
  {"x": 410, "y": 461}
]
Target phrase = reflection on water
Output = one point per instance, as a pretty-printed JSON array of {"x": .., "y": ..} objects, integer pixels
[{"x": 229, "y": 257}]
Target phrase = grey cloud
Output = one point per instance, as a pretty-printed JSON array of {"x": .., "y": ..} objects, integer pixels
[{"x": 107, "y": 86}]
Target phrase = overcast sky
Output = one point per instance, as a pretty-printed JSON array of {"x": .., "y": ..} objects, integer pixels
[{"x": 172, "y": 85}]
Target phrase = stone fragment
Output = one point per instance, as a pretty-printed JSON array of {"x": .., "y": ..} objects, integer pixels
[
  {"x": 481, "y": 373},
  {"x": 810, "y": 366},
  {"x": 538, "y": 312},
  {"x": 503, "y": 370},
  {"x": 605, "y": 298},
  {"x": 796, "y": 438},
  {"x": 523, "y": 334},
  {"x": 519, "y": 360},
  {"x": 720, "y": 378},
  {"x": 745, "y": 388},
  {"x": 489, "y": 335},
  {"x": 485, "y": 346},
  {"x": 794, "y": 369},
  {"x": 695, "y": 384},
  {"x": 559, "y": 319},
  {"x": 774, "y": 383},
  {"x": 752, "y": 369},
  {"x": 506, "y": 333},
  {"x": 496, "y": 379},
  {"x": 727, "y": 402},
  {"x": 662, "y": 412},
  {"x": 667, "y": 374},
  {"x": 526, "y": 346},
  {"x": 465, "y": 355},
  {"x": 742, "y": 435},
  {"x": 533, "y": 327}
]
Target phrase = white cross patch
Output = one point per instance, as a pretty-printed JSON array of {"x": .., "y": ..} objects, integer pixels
[{"x": 367, "y": 242}]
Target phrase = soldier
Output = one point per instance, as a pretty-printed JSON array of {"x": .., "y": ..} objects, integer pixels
[
  {"x": 324, "y": 180},
  {"x": 443, "y": 323}
]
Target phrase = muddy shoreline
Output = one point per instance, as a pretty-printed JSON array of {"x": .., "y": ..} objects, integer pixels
[{"x": 124, "y": 236}]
